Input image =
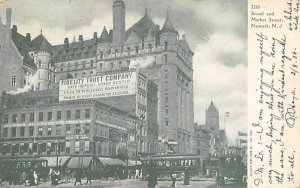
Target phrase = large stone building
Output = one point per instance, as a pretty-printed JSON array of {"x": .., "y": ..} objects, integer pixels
[{"x": 159, "y": 54}]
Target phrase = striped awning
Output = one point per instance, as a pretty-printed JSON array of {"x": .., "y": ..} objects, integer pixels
[
  {"x": 52, "y": 161},
  {"x": 79, "y": 162},
  {"x": 111, "y": 162}
]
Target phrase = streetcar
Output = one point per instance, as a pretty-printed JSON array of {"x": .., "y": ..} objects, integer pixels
[{"x": 165, "y": 164}]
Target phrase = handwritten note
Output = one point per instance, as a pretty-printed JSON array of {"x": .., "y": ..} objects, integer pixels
[{"x": 274, "y": 93}]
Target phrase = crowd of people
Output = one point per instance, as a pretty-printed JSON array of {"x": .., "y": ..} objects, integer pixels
[{"x": 33, "y": 176}]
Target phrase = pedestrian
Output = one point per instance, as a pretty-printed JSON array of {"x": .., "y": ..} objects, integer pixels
[
  {"x": 35, "y": 176},
  {"x": 137, "y": 173},
  {"x": 77, "y": 177},
  {"x": 88, "y": 176},
  {"x": 173, "y": 179},
  {"x": 10, "y": 177},
  {"x": 54, "y": 178},
  {"x": 186, "y": 177},
  {"x": 152, "y": 176},
  {"x": 141, "y": 173},
  {"x": 23, "y": 178}
]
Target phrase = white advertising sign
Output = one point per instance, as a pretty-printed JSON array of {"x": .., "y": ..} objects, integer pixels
[{"x": 98, "y": 86}]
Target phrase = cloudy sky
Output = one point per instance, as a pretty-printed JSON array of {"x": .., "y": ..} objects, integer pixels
[{"x": 216, "y": 31}]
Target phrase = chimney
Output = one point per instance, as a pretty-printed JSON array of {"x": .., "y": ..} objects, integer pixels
[
  {"x": 119, "y": 22},
  {"x": 95, "y": 35},
  {"x": 28, "y": 37},
  {"x": 14, "y": 29},
  {"x": 8, "y": 19},
  {"x": 80, "y": 39},
  {"x": 66, "y": 43}
]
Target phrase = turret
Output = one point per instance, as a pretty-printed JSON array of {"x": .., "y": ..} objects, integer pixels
[
  {"x": 168, "y": 35},
  {"x": 118, "y": 22}
]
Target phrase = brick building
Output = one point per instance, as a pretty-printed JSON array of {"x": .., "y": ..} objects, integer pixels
[{"x": 35, "y": 123}]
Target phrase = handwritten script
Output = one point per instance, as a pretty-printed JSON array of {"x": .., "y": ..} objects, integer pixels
[{"x": 272, "y": 157}]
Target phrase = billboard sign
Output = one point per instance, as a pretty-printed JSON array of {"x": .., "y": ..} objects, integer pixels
[{"x": 109, "y": 85}]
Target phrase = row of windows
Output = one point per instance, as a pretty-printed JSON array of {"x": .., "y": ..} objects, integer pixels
[
  {"x": 49, "y": 131},
  {"x": 49, "y": 147},
  {"x": 41, "y": 116}
]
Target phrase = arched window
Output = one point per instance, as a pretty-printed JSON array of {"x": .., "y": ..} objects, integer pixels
[{"x": 101, "y": 55}]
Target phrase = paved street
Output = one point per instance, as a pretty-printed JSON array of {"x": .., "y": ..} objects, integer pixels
[{"x": 136, "y": 184}]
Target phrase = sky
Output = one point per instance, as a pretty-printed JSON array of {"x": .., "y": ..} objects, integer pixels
[{"x": 216, "y": 31}]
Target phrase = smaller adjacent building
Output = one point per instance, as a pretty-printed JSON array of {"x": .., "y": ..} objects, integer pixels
[
  {"x": 210, "y": 140},
  {"x": 37, "y": 124}
]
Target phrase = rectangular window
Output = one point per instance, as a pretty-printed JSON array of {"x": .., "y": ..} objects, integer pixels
[
  {"x": 40, "y": 131},
  {"x": 87, "y": 128},
  {"x": 68, "y": 129},
  {"x": 22, "y": 131},
  {"x": 58, "y": 130},
  {"x": 166, "y": 74},
  {"x": 14, "y": 118},
  {"x": 76, "y": 146},
  {"x": 49, "y": 76},
  {"x": 167, "y": 110},
  {"x": 14, "y": 132},
  {"x": 166, "y": 99},
  {"x": 5, "y": 118},
  {"x": 77, "y": 115},
  {"x": 13, "y": 81},
  {"x": 49, "y": 116},
  {"x": 58, "y": 115},
  {"x": 49, "y": 130},
  {"x": 67, "y": 147},
  {"x": 167, "y": 122},
  {"x": 5, "y": 132},
  {"x": 23, "y": 117},
  {"x": 41, "y": 116},
  {"x": 31, "y": 119},
  {"x": 31, "y": 130},
  {"x": 68, "y": 114},
  {"x": 54, "y": 79},
  {"x": 86, "y": 145},
  {"x": 111, "y": 65},
  {"x": 87, "y": 113},
  {"x": 166, "y": 58},
  {"x": 77, "y": 131},
  {"x": 128, "y": 63},
  {"x": 120, "y": 64}
]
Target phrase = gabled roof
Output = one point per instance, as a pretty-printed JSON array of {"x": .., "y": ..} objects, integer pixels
[
  {"x": 75, "y": 51},
  {"x": 144, "y": 26},
  {"x": 184, "y": 44},
  {"x": 23, "y": 45},
  {"x": 168, "y": 26},
  {"x": 40, "y": 43},
  {"x": 104, "y": 38}
]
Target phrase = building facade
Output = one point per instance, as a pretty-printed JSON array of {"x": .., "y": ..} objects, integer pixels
[{"x": 37, "y": 124}]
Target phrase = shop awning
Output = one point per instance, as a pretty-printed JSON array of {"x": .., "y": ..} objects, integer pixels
[
  {"x": 53, "y": 160},
  {"x": 111, "y": 162},
  {"x": 79, "y": 162},
  {"x": 134, "y": 163}
]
